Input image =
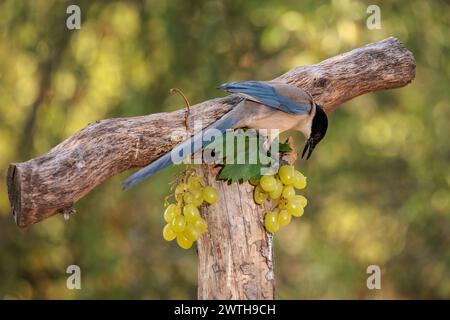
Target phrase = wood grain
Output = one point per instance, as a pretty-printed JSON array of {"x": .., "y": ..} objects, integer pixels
[
  {"x": 235, "y": 258},
  {"x": 54, "y": 182}
]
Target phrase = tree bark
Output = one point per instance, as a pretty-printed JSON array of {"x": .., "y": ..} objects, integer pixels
[
  {"x": 53, "y": 182},
  {"x": 235, "y": 256}
]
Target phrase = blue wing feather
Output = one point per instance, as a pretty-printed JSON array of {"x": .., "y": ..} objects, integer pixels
[
  {"x": 291, "y": 106},
  {"x": 261, "y": 92},
  {"x": 192, "y": 145},
  {"x": 265, "y": 94}
]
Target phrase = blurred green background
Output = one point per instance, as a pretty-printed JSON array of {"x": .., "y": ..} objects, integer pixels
[{"x": 378, "y": 184}]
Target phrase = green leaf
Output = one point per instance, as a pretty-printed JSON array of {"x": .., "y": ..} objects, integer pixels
[
  {"x": 240, "y": 172},
  {"x": 231, "y": 171},
  {"x": 284, "y": 147}
]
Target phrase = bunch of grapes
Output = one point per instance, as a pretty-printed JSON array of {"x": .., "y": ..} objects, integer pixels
[
  {"x": 183, "y": 217},
  {"x": 280, "y": 188}
]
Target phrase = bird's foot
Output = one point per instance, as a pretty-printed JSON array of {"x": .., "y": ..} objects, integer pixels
[{"x": 290, "y": 156}]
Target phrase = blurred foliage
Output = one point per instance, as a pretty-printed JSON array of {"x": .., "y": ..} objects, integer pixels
[{"x": 378, "y": 184}]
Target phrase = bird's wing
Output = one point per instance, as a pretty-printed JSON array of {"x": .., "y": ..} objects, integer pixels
[
  {"x": 266, "y": 94},
  {"x": 181, "y": 151}
]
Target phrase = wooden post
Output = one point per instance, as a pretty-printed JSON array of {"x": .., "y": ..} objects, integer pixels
[{"x": 235, "y": 257}]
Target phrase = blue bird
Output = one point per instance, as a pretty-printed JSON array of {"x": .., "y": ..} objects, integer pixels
[{"x": 267, "y": 105}]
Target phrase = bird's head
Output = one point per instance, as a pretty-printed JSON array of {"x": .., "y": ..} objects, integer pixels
[{"x": 319, "y": 126}]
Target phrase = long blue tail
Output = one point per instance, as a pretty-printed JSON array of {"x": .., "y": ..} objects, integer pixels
[{"x": 191, "y": 145}]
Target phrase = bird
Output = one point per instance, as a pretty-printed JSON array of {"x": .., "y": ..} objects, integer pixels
[{"x": 265, "y": 105}]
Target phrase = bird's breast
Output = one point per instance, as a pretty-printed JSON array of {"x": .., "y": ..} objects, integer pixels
[
  {"x": 258, "y": 116},
  {"x": 277, "y": 120}
]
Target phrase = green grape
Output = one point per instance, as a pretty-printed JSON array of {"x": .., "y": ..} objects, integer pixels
[
  {"x": 171, "y": 211},
  {"x": 178, "y": 223},
  {"x": 188, "y": 198},
  {"x": 210, "y": 194},
  {"x": 271, "y": 222},
  {"x": 275, "y": 194},
  {"x": 254, "y": 181},
  {"x": 195, "y": 182},
  {"x": 288, "y": 192},
  {"x": 191, "y": 213},
  {"x": 303, "y": 201},
  {"x": 284, "y": 218},
  {"x": 259, "y": 195},
  {"x": 268, "y": 183},
  {"x": 299, "y": 212},
  {"x": 299, "y": 180},
  {"x": 197, "y": 197},
  {"x": 192, "y": 233},
  {"x": 198, "y": 202},
  {"x": 183, "y": 218},
  {"x": 294, "y": 208},
  {"x": 179, "y": 190},
  {"x": 168, "y": 233},
  {"x": 201, "y": 225},
  {"x": 286, "y": 173},
  {"x": 183, "y": 241}
]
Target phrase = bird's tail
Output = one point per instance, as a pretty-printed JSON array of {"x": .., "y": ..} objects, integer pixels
[{"x": 189, "y": 147}]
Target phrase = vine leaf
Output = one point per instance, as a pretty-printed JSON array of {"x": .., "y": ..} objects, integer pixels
[{"x": 234, "y": 170}]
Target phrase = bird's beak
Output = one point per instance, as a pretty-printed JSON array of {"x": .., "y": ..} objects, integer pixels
[
  {"x": 309, "y": 147},
  {"x": 305, "y": 149}
]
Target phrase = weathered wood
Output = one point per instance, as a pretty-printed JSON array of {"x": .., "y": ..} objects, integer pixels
[
  {"x": 53, "y": 182},
  {"x": 235, "y": 256}
]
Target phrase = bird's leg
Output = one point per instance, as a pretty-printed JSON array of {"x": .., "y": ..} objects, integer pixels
[
  {"x": 270, "y": 137},
  {"x": 289, "y": 157},
  {"x": 188, "y": 107}
]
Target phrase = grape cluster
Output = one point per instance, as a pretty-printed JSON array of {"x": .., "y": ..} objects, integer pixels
[
  {"x": 183, "y": 217},
  {"x": 280, "y": 188}
]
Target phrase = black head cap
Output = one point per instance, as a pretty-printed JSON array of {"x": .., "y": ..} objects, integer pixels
[{"x": 319, "y": 128}]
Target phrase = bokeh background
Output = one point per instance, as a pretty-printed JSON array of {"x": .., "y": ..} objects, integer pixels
[{"x": 378, "y": 184}]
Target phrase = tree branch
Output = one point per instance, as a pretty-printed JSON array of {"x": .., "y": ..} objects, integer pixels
[{"x": 53, "y": 182}]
